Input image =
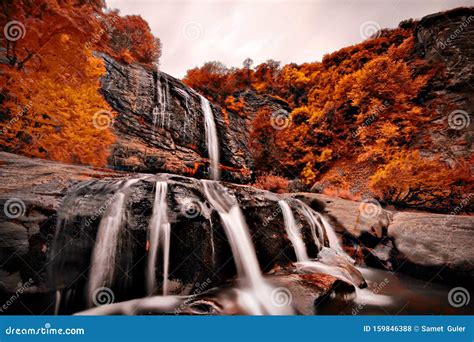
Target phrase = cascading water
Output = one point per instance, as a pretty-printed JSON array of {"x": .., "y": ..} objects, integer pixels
[
  {"x": 317, "y": 220},
  {"x": 162, "y": 102},
  {"x": 293, "y": 232},
  {"x": 316, "y": 229},
  {"x": 104, "y": 253},
  {"x": 211, "y": 138},
  {"x": 155, "y": 113},
  {"x": 186, "y": 97},
  {"x": 253, "y": 288},
  {"x": 159, "y": 236}
]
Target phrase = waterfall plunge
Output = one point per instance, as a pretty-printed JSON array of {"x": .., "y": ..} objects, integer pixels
[
  {"x": 159, "y": 235},
  {"x": 211, "y": 138},
  {"x": 293, "y": 232},
  {"x": 103, "y": 256},
  {"x": 254, "y": 290}
]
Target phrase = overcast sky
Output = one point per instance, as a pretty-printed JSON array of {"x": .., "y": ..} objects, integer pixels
[{"x": 196, "y": 31}]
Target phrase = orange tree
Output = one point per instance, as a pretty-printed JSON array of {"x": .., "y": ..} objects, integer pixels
[{"x": 50, "y": 105}]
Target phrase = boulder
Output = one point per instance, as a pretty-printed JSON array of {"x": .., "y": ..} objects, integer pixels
[
  {"x": 436, "y": 247},
  {"x": 429, "y": 246}
]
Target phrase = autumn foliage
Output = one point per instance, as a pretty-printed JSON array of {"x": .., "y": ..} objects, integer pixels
[
  {"x": 272, "y": 183},
  {"x": 355, "y": 123},
  {"x": 50, "y": 103}
]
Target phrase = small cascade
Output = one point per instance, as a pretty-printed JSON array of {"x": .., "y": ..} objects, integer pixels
[
  {"x": 333, "y": 240},
  {"x": 162, "y": 100},
  {"x": 104, "y": 253},
  {"x": 253, "y": 288},
  {"x": 317, "y": 221},
  {"x": 317, "y": 230},
  {"x": 211, "y": 138},
  {"x": 155, "y": 113},
  {"x": 159, "y": 236},
  {"x": 293, "y": 232},
  {"x": 186, "y": 97}
]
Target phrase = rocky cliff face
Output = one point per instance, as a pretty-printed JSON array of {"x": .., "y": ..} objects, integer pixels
[
  {"x": 445, "y": 39},
  {"x": 160, "y": 126}
]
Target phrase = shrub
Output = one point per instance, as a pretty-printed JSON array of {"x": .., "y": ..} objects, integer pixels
[{"x": 272, "y": 183}]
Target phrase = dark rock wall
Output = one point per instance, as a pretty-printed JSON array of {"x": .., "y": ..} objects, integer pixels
[
  {"x": 173, "y": 139},
  {"x": 446, "y": 39}
]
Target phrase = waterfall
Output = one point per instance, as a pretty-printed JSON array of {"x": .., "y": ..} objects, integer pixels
[
  {"x": 159, "y": 235},
  {"x": 211, "y": 138},
  {"x": 162, "y": 99},
  {"x": 186, "y": 97},
  {"x": 293, "y": 232},
  {"x": 316, "y": 229},
  {"x": 253, "y": 288},
  {"x": 155, "y": 113},
  {"x": 314, "y": 218},
  {"x": 104, "y": 253}
]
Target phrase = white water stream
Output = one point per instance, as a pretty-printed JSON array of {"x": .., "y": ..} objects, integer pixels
[{"x": 159, "y": 238}]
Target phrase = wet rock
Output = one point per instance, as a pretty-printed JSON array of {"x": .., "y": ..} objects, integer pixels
[
  {"x": 75, "y": 198},
  {"x": 430, "y": 246},
  {"x": 160, "y": 126}
]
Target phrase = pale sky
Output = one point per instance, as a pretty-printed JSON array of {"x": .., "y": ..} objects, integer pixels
[{"x": 196, "y": 31}]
